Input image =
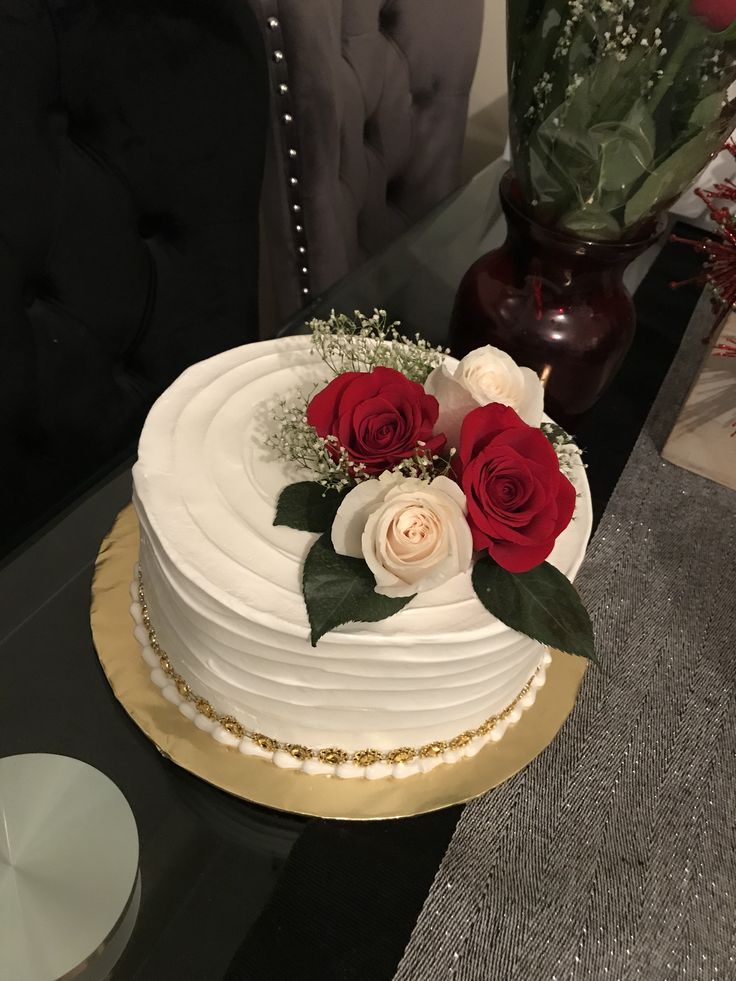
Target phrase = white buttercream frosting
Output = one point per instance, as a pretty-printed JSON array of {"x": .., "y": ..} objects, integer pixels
[{"x": 223, "y": 589}]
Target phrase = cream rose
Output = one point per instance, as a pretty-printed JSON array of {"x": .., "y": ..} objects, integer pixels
[
  {"x": 483, "y": 376},
  {"x": 412, "y": 534}
]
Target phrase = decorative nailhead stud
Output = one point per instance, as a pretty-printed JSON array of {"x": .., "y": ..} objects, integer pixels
[
  {"x": 292, "y": 152},
  {"x": 278, "y": 56},
  {"x": 332, "y": 756},
  {"x": 283, "y": 89},
  {"x": 232, "y": 726},
  {"x": 459, "y": 741},
  {"x": 204, "y": 708},
  {"x": 264, "y": 742},
  {"x": 272, "y": 23},
  {"x": 287, "y": 118}
]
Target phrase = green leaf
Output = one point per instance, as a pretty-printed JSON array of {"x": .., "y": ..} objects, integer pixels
[
  {"x": 590, "y": 221},
  {"x": 707, "y": 110},
  {"x": 673, "y": 174},
  {"x": 308, "y": 506},
  {"x": 626, "y": 147},
  {"x": 339, "y": 589},
  {"x": 542, "y": 604}
]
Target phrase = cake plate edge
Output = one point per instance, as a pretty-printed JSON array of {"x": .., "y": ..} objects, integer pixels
[{"x": 260, "y": 781}]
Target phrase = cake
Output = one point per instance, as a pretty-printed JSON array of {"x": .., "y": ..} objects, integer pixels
[{"x": 220, "y": 613}]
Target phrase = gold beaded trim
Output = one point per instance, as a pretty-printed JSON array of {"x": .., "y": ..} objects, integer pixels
[{"x": 330, "y": 755}]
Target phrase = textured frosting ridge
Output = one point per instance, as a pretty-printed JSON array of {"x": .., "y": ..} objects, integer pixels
[{"x": 224, "y": 585}]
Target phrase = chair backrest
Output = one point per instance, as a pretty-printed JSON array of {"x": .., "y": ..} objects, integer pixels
[
  {"x": 132, "y": 137},
  {"x": 368, "y": 110}
]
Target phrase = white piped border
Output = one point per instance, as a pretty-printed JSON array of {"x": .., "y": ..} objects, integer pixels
[{"x": 346, "y": 771}]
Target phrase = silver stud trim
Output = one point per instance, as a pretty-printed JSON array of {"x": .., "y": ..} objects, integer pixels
[{"x": 293, "y": 176}]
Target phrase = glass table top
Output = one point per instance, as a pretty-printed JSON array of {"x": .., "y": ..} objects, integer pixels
[{"x": 209, "y": 863}]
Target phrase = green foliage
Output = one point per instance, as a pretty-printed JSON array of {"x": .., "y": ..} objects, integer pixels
[
  {"x": 608, "y": 127},
  {"x": 308, "y": 506},
  {"x": 339, "y": 589},
  {"x": 542, "y": 604}
]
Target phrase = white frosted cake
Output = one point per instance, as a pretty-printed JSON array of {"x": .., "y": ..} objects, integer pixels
[{"x": 222, "y": 620}]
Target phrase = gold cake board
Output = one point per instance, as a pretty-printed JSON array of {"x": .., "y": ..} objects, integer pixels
[{"x": 259, "y": 780}]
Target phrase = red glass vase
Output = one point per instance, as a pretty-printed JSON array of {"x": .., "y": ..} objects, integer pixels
[{"x": 555, "y": 303}]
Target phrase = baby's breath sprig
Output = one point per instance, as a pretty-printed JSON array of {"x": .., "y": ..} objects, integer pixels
[
  {"x": 362, "y": 343},
  {"x": 295, "y": 441},
  {"x": 423, "y": 466},
  {"x": 569, "y": 454}
]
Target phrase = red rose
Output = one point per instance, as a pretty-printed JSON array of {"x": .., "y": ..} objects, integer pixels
[
  {"x": 717, "y": 14},
  {"x": 518, "y": 500},
  {"x": 378, "y": 416}
]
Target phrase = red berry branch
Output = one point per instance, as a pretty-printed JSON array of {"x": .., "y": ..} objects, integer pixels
[{"x": 719, "y": 270}]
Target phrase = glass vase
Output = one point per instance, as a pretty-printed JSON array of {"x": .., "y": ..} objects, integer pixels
[{"x": 555, "y": 303}]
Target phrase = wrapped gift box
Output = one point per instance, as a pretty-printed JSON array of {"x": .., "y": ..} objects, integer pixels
[{"x": 704, "y": 437}]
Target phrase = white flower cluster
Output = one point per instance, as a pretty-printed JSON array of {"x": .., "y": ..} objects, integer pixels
[
  {"x": 295, "y": 441},
  {"x": 364, "y": 343},
  {"x": 568, "y": 452},
  {"x": 424, "y": 467},
  {"x": 541, "y": 91}
]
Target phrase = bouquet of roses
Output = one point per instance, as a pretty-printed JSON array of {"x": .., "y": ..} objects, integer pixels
[
  {"x": 425, "y": 469},
  {"x": 616, "y": 105}
]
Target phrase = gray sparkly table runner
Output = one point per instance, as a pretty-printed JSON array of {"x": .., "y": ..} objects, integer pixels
[{"x": 613, "y": 855}]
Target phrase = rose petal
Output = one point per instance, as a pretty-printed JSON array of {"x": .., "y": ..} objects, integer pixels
[
  {"x": 455, "y": 402},
  {"x": 321, "y": 408},
  {"x": 531, "y": 407},
  {"x": 353, "y": 513},
  {"x": 517, "y": 558},
  {"x": 453, "y": 491},
  {"x": 482, "y": 426}
]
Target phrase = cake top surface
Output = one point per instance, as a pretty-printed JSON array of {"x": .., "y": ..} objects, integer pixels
[{"x": 207, "y": 485}]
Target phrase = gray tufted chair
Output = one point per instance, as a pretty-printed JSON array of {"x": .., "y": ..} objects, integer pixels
[{"x": 368, "y": 109}]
